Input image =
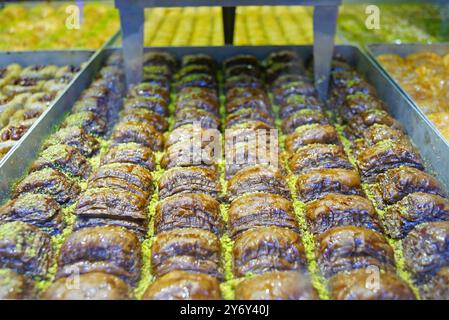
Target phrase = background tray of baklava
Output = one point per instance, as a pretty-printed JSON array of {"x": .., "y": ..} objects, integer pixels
[
  {"x": 52, "y": 80},
  {"x": 113, "y": 197},
  {"x": 31, "y": 81},
  {"x": 422, "y": 72}
]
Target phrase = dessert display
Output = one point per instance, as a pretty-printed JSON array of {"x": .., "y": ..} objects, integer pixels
[{"x": 226, "y": 180}]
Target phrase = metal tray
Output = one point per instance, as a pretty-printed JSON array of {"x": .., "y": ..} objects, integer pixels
[
  {"x": 420, "y": 131},
  {"x": 15, "y": 163}
]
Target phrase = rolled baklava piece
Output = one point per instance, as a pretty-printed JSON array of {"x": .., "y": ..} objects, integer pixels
[
  {"x": 320, "y": 182},
  {"x": 346, "y": 248},
  {"x": 264, "y": 249},
  {"x": 189, "y": 179},
  {"x": 335, "y": 210},
  {"x": 187, "y": 249},
  {"x": 88, "y": 286},
  {"x": 369, "y": 284},
  {"x": 182, "y": 285},
  {"x": 108, "y": 249},
  {"x": 260, "y": 210},
  {"x": 425, "y": 248},
  {"x": 284, "y": 285},
  {"x": 25, "y": 249},
  {"x": 51, "y": 182},
  {"x": 188, "y": 210}
]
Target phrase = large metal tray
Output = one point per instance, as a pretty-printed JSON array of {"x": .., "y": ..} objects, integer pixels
[
  {"x": 432, "y": 148},
  {"x": 15, "y": 163}
]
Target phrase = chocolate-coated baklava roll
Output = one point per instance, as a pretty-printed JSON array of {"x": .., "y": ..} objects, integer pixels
[
  {"x": 49, "y": 181},
  {"x": 91, "y": 105},
  {"x": 296, "y": 102},
  {"x": 181, "y": 285},
  {"x": 414, "y": 209},
  {"x": 187, "y": 153},
  {"x": 320, "y": 182},
  {"x": 155, "y": 104},
  {"x": 107, "y": 249},
  {"x": 130, "y": 153},
  {"x": 356, "y": 103},
  {"x": 138, "y": 132},
  {"x": 395, "y": 184},
  {"x": 146, "y": 116},
  {"x": 257, "y": 179},
  {"x": 386, "y": 155},
  {"x": 282, "y": 56},
  {"x": 191, "y": 179},
  {"x": 25, "y": 249},
  {"x": 149, "y": 90},
  {"x": 369, "y": 284},
  {"x": 438, "y": 286},
  {"x": 248, "y": 114},
  {"x": 160, "y": 58},
  {"x": 105, "y": 206},
  {"x": 303, "y": 117},
  {"x": 316, "y": 156},
  {"x": 425, "y": 248},
  {"x": 298, "y": 87},
  {"x": 188, "y": 210},
  {"x": 14, "y": 286},
  {"x": 198, "y": 58},
  {"x": 284, "y": 285},
  {"x": 260, "y": 210},
  {"x": 123, "y": 176},
  {"x": 193, "y": 115},
  {"x": 40, "y": 210},
  {"x": 362, "y": 121},
  {"x": 238, "y": 92},
  {"x": 237, "y": 104},
  {"x": 241, "y": 59},
  {"x": 64, "y": 158},
  {"x": 76, "y": 138},
  {"x": 188, "y": 249},
  {"x": 311, "y": 134},
  {"x": 243, "y": 81},
  {"x": 199, "y": 80},
  {"x": 334, "y": 210},
  {"x": 278, "y": 69},
  {"x": 264, "y": 249},
  {"x": 199, "y": 102},
  {"x": 346, "y": 248},
  {"x": 89, "y": 286},
  {"x": 87, "y": 120}
]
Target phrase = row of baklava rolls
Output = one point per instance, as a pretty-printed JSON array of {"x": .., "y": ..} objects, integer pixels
[
  {"x": 25, "y": 94},
  {"x": 186, "y": 259},
  {"x": 414, "y": 204},
  {"x": 104, "y": 252},
  {"x": 35, "y": 211},
  {"x": 351, "y": 251},
  {"x": 268, "y": 254}
]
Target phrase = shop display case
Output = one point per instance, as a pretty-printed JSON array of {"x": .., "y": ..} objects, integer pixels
[{"x": 226, "y": 150}]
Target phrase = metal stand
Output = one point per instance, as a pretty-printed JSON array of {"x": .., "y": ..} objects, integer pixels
[
  {"x": 228, "y": 14},
  {"x": 132, "y": 19},
  {"x": 324, "y": 27}
]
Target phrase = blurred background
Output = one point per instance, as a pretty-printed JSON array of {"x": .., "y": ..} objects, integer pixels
[{"x": 42, "y": 25}]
